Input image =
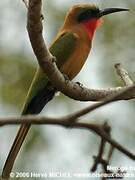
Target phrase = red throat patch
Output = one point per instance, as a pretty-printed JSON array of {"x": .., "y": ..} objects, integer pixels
[{"x": 91, "y": 26}]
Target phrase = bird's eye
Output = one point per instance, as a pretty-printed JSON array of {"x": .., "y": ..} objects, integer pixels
[{"x": 87, "y": 14}]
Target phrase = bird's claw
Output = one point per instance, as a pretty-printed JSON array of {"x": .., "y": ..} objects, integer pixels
[
  {"x": 42, "y": 17},
  {"x": 66, "y": 77},
  {"x": 80, "y": 84},
  {"x": 54, "y": 59}
]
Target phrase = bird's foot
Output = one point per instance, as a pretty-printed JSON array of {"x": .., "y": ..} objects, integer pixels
[
  {"x": 54, "y": 59},
  {"x": 66, "y": 77},
  {"x": 80, "y": 84},
  {"x": 42, "y": 17}
]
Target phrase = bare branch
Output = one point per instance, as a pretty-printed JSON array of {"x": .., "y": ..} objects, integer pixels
[
  {"x": 71, "y": 118},
  {"x": 97, "y": 159},
  {"x": 123, "y": 75},
  {"x": 26, "y": 2},
  {"x": 96, "y": 128},
  {"x": 110, "y": 154}
]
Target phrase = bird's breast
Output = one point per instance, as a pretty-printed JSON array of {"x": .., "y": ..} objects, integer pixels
[{"x": 77, "y": 59}]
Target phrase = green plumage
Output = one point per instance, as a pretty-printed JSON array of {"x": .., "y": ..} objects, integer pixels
[
  {"x": 39, "y": 91},
  {"x": 63, "y": 47}
]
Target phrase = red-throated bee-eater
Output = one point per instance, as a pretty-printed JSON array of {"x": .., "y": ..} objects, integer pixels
[{"x": 71, "y": 48}]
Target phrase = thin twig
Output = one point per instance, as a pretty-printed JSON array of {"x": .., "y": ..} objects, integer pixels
[
  {"x": 26, "y": 2},
  {"x": 97, "y": 159},
  {"x": 123, "y": 75},
  {"x": 111, "y": 150},
  {"x": 106, "y": 162}
]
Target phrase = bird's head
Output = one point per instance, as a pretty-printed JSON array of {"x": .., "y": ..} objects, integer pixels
[{"x": 88, "y": 15}]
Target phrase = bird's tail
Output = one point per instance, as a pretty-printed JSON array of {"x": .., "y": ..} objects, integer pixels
[
  {"x": 14, "y": 150},
  {"x": 34, "y": 107}
]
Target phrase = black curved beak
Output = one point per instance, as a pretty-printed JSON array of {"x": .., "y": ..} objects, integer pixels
[{"x": 110, "y": 11}]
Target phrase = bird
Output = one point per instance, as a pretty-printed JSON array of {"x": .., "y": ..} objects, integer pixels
[{"x": 71, "y": 48}]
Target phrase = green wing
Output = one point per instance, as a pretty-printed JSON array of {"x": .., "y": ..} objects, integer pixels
[{"x": 62, "y": 48}]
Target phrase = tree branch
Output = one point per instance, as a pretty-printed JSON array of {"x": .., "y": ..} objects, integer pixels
[
  {"x": 123, "y": 75},
  {"x": 96, "y": 128},
  {"x": 26, "y": 3},
  {"x": 73, "y": 117},
  {"x": 97, "y": 159}
]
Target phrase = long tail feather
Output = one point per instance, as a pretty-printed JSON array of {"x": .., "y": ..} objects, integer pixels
[
  {"x": 34, "y": 107},
  {"x": 14, "y": 150}
]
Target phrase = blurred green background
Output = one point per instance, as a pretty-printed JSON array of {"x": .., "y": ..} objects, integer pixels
[{"x": 54, "y": 148}]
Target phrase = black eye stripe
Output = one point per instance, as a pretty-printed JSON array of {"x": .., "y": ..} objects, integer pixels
[{"x": 87, "y": 14}]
